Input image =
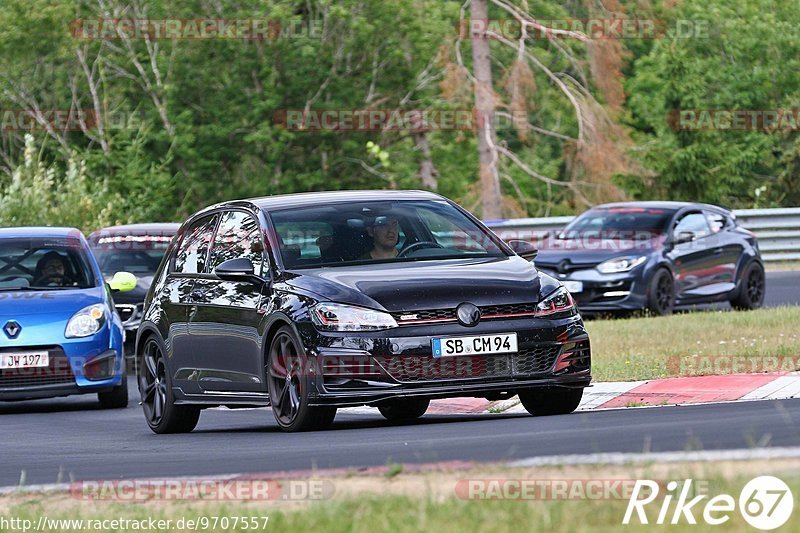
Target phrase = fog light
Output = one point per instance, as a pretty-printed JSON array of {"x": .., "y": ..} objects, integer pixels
[{"x": 101, "y": 367}]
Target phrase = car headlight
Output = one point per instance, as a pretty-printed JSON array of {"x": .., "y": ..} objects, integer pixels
[
  {"x": 87, "y": 321},
  {"x": 621, "y": 264},
  {"x": 560, "y": 302},
  {"x": 339, "y": 317}
]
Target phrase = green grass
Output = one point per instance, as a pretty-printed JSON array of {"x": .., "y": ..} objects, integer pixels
[
  {"x": 378, "y": 512},
  {"x": 657, "y": 347}
]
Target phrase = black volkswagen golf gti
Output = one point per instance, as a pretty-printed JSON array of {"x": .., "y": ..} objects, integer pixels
[{"x": 315, "y": 301}]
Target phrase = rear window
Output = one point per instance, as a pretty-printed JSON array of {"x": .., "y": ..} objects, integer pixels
[
  {"x": 44, "y": 263},
  {"x": 140, "y": 254}
]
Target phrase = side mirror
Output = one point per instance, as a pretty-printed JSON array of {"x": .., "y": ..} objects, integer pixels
[
  {"x": 122, "y": 282},
  {"x": 684, "y": 236},
  {"x": 239, "y": 269},
  {"x": 524, "y": 249}
]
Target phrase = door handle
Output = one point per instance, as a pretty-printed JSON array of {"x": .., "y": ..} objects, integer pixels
[
  {"x": 718, "y": 251},
  {"x": 196, "y": 295}
]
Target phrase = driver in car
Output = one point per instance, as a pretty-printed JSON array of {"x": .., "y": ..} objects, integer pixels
[
  {"x": 51, "y": 270},
  {"x": 385, "y": 233}
]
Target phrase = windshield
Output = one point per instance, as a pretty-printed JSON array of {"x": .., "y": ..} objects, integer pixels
[
  {"x": 379, "y": 232},
  {"x": 138, "y": 254},
  {"x": 619, "y": 222},
  {"x": 43, "y": 264}
]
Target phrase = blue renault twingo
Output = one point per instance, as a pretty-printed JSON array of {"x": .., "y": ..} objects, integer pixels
[{"x": 59, "y": 332}]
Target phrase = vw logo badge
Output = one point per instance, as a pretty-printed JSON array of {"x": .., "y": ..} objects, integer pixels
[{"x": 468, "y": 315}]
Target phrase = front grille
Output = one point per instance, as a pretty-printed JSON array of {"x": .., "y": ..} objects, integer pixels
[
  {"x": 126, "y": 311},
  {"x": 487, "y": 312},
  {"x": 565, "y": 268},
  {"x": 57, "y": 373},
  {"x": 508, "y": 310},
  {"x": 527, "y": 362}
]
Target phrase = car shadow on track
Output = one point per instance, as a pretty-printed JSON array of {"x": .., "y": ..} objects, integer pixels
[
  {"x": 49, "y": 406},
  {"x": 79, "y": 402},
  {"x": 341, "y": 423}
]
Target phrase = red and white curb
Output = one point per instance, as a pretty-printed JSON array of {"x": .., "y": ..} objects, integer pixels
[{"x": 656, "y": 392}]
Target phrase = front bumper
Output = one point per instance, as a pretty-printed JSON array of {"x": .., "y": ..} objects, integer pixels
[
  {"x": 70, "y": 371},
  {"x": 606, "y": 292},
  {"x": 366, "y": 368}
]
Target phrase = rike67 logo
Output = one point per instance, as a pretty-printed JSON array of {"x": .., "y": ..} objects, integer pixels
[{"x": 765, "y": 503}]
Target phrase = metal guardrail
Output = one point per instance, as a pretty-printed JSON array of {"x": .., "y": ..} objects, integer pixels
[{"x": 777, "y": 230}]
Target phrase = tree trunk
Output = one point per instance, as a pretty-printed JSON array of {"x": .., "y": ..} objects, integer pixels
[
  {"x": 491, "y": 198},
  {"x": 427, "y": 171}
]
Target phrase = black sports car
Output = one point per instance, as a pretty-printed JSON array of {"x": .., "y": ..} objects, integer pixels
[
  {"x": 655, "y": 256},
  {"x": 314, "y": 301}
]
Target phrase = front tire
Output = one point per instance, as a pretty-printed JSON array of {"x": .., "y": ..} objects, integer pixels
[
  {"x": 752, "y": 289},
  {"x": 661, "y": 293},
  {"x": 404, "y": 409},
  {"x": 290, "y": 384},
  {"x": 116, "y": 398},
  {"x": 546, "y": 402},
  {"x": 158, "y": 400}
]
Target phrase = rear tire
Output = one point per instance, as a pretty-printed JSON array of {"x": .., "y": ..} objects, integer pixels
[
  {"x": 661, "y": 293},
  {"x": 404, "y": 409},
  {"x": 116, "y": 398},
  {"x": 546, "y": 402},
  {"x": 158, "y": 401},
  {"x": 751, "y": 289},
  {"x": 290, "y": 384}
]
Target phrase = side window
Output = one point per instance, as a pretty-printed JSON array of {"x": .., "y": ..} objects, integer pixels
[
  {"x": 239, "y": 235},
  {"x": 193, "y": 250},
  {"x": 717, "y": 221},
  {"x": 695, "y": 223}
]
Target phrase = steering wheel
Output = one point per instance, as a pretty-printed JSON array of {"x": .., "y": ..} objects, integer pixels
[
  {"x": 420, "y": 244},
  {"x": 63, "y": 278}
]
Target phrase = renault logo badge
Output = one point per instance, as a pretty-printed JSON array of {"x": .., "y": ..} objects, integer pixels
[{"x": 12, "y": 329}]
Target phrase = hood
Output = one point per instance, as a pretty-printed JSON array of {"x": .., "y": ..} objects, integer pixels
[
  {"x": 137, "y": 295},
  {"x": 425, "y": 284},
  {"x": 590, "y": 253},
  {"x": 58, "y": 304}
]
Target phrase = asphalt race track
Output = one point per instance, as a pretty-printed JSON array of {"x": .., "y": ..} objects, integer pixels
[
  {"x": 65, "y": 439},
  {"x": 72, "y": 439},
  {"x": 783, "y": 288}
]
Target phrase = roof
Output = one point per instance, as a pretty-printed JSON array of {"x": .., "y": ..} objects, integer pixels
[
  {"x": 40, "y": 231},
  {"x": 675, "y": 206},
  {"x": 141, "y": 229},
  {"x": 328, "y": 197}
]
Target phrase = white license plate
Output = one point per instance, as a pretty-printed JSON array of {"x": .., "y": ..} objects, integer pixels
[
  {"x": 574, "y": 286},
  {"x": 480, "y": 345},
  {"x": 24, "y": 360}
]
